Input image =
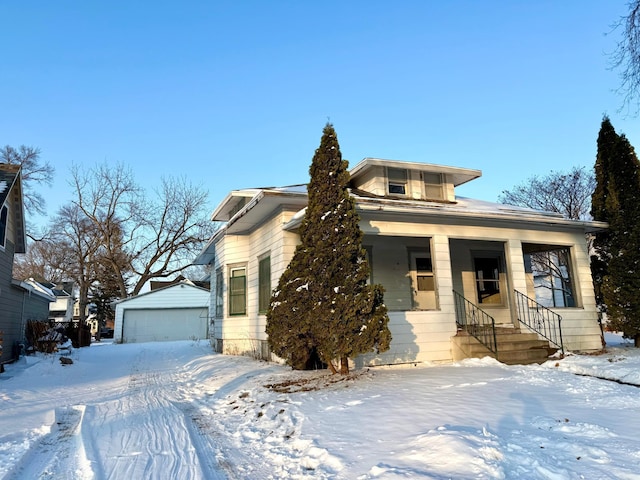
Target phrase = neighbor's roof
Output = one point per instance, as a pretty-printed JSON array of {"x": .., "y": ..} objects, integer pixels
[
  {"x": 158, "y": 292},
  {"x": 36, "y": 288},
  {"x": 10, "y": 182}
]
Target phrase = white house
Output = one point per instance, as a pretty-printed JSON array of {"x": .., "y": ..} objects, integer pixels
[
  {"x": 458, "y": 273},
  {"x": 177, "y": 312}
]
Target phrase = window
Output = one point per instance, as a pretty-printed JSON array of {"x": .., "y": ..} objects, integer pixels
[
  {"x": 487, "y": 270},
  {"x": 3, "y": 225},
  {"x": 550, "y": 267},
  {"x": 422, "y": 280},
  {"x": 264, "y": 284},
  {"x": 397, "y": 181},
  {"x": 433, "y": 186},
  {"x": 219, "y": 292},
  {"x": 238, "y": 291}
]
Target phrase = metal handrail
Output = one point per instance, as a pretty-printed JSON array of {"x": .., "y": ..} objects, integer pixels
[
  {"x": 540, "y": 319},
  {"x": 476, "y": 322}
]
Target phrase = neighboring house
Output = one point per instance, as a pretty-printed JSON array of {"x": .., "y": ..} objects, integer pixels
[
  {"x": 61, "y": 311},
  {"x": 444, "y": 261},
  {"x": 20, "y": 301},
  {"x": 157, "y": 284},
  {"x": 176, "y": 312}
]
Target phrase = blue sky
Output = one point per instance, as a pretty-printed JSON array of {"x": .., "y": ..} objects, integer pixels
[{"x": 235, "y": 94}]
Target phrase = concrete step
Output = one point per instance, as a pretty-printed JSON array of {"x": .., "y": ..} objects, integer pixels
[{"x": 514, "y": 347}]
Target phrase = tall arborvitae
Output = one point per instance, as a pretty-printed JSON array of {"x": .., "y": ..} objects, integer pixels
[
  {"x": 323, "y": 302},
  {"x": 616, "y": 200}
]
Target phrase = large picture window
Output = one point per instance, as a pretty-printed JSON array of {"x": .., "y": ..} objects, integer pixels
[
  {"x": 550, "y": 268},
  {"x": 264, "y": 284},
  {"x": 238, "y": 291}
]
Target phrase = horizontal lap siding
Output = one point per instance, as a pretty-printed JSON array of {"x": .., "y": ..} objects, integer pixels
[
  {"x": 176, "y": 296},
  {"x": 11, "y": 300},
  {"x": 240, "y": 333},
  {"x": 417, "y": 337}
]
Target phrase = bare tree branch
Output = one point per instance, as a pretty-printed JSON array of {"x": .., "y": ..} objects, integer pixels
[
  {"x": 626, "y": 57},
  {"x": 35, "y": 173},
  {"x": 567, "y": 193}
]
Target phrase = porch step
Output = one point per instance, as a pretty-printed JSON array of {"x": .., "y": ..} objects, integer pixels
[{"x": 514, "y": 347}]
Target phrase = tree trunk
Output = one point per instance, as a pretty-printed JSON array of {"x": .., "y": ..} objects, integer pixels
[
  {"x": 332, "y": 367},
  {"x": 636, "y": 340},
  {"x": 344, "y": 365}
]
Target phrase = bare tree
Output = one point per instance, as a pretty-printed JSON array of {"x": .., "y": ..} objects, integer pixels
[
  {"x": 567, "y": 193},
  {"x": 626, "y": 56},
  {"x": 46, "y": 260},
  {"x": 35, "y": 173},
  {"x": 172, "y": 232},
  {"x": 113, "y": 203},
  {"x": 147, "y": 236},
  {"x": 76, "y": 235}
]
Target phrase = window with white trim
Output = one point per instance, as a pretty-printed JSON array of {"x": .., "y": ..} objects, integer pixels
[
  {"x": 264, "y": 284},
  {"x": 397, "y": 180},
  {"x": 433, "y": 188},
  {"x": 550, "y": 269},
  {"x": 238, "y": 290},
  {"x": 219, "y": 292}
]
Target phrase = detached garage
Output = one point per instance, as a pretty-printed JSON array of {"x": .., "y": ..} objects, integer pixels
[{"x": 177, "y": 312}]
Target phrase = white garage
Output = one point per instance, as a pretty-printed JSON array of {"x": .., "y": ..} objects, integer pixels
[{"x": 177, "y": 312}]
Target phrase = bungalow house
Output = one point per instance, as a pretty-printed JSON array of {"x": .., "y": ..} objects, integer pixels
[
  {"x": 61, "y": 310},
  {"x": 462, "y": 277},
  {"x": 20, "y": 301}
]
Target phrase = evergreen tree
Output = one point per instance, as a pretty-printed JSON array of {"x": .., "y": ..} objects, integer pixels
[
  {"x": 323, "y": 303},
  {"x": 616, "y": 266}
]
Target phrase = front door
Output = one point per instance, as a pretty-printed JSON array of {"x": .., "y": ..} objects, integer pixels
[{"x": 422, "y": 281}]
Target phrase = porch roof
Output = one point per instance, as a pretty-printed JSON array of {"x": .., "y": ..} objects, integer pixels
[{"x": 463, "y": 208}]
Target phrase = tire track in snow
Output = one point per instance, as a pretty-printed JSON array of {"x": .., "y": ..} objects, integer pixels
[
  {"x": 142, "y": 433},
  {"x": 59, "y": 454}
]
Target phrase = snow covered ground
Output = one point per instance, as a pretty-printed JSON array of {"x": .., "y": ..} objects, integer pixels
[{"x": 176, "y": 410}]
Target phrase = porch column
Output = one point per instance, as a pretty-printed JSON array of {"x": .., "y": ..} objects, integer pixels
[
  {"x": 442, "y": 266},
  {"x": 515, "y": 265}
]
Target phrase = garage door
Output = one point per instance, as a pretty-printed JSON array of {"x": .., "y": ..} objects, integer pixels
[{"x": 158, "y": 325}]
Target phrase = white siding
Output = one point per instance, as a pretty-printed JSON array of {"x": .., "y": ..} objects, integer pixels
[
  {"x": 160, "y": 325},
  {"x": 245, "y": 334},
  {"x": 417, "y": 335},
  {"x": 177, "y": 296}
]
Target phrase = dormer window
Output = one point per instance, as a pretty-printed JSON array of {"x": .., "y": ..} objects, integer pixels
[
  {"x": 397, "y": 178},
  {"x": 433, "y": 186}
]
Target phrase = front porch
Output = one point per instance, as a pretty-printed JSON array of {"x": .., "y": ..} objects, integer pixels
[{"x": 538, "y": 296}]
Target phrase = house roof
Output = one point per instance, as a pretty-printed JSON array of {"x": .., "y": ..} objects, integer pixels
[
  {"x": 11, "y": 193},
  {"x": 35, "y": 288},
  {"x": 259, "y": 203},
  {"x": 184, "y": 283},
  {"x": 456, "y": 175},
  {"x": 64, "y": 289}
]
